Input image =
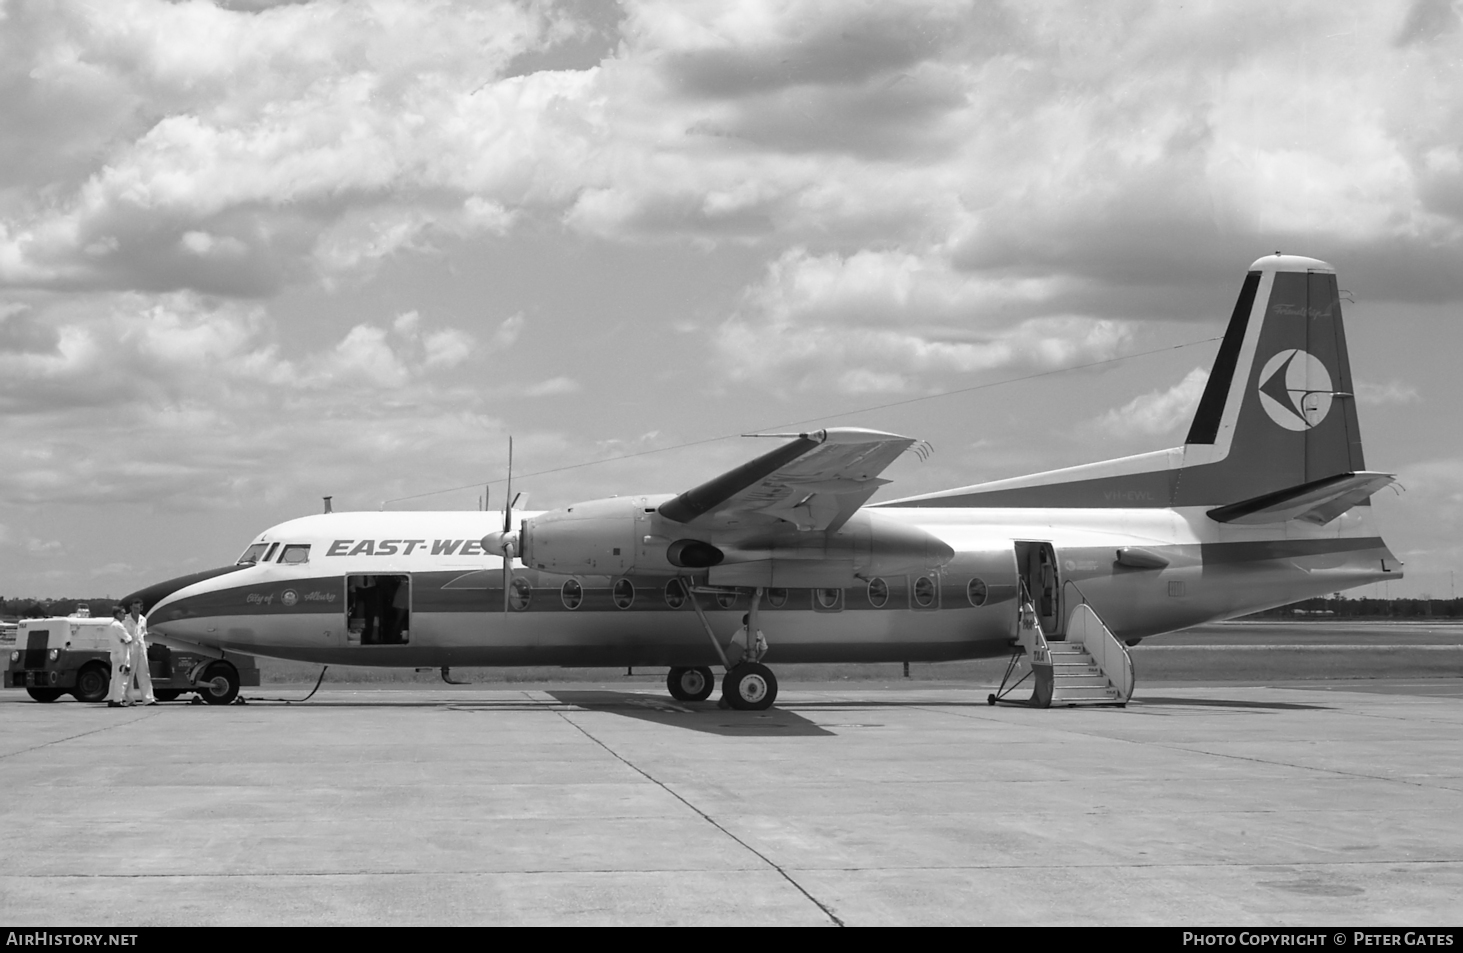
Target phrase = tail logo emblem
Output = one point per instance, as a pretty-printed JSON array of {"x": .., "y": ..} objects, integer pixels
[{"x": 1295, "y": 389}]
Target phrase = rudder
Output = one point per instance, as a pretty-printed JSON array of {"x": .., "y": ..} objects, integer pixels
[{"x": 1279, "y": 410}]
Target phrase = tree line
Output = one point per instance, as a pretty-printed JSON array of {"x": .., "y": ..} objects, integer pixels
[{"x": 1340, "y": 607}]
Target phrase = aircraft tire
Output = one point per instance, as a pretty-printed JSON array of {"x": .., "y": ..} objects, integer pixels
[
  {"x": 690, "y": 684},
  {"x": 45, "y": 694},
  {"x": 92, "y": 682},
  {"x": 750, "y": 686},
  {"x": 220, "y": 684}
]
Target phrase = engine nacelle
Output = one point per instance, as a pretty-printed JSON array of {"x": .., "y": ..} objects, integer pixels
[
  {"x": 869, "y": 544},
  {"x": 593, "y": 538}
]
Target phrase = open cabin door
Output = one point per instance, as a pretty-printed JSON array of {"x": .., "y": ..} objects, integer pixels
[
  {"x": 1036, "y": 566},
  {"x": 378, "y": 609}
]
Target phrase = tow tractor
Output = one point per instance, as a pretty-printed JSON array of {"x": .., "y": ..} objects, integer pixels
[{"x": 54, "y": 657}]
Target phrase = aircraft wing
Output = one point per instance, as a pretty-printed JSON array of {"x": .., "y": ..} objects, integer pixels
[
  {"x": 1320, "y": 501},
  {"x": 816, "y": 482}
]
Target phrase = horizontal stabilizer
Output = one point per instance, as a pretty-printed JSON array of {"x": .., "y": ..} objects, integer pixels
[{"x": 1320, "y": 501}]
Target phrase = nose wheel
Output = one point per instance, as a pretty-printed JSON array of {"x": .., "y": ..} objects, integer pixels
[
  {"x": 750, "y": 686},
  {"x": 690, "y": 684}
]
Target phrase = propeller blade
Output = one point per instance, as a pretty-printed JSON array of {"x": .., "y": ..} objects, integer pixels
[
  {"x": 508, "y": 547},
  {"x": 508, "y": 493}
]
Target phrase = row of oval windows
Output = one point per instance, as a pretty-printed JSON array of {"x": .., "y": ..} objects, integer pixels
[{"x": 572, "y": 594}]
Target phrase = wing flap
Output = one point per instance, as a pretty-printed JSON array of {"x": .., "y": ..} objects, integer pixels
[{"x": 816, "y": 482}]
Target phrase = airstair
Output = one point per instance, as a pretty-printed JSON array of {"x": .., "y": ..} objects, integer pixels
[{"x": 1089, "y": 667}]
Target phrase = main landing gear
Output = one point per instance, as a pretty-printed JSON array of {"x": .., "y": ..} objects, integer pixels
[
  {"x": 748, "y": 685},
  {"x": 690, "y": 684}
]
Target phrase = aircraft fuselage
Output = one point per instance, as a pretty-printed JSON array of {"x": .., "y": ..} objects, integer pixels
[{"x": 416, "y": 589}]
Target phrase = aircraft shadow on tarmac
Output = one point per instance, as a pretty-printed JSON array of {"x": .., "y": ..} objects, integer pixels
[
  {"x": 1227, "y": 703},
  {"x": 695, "y": 716}
]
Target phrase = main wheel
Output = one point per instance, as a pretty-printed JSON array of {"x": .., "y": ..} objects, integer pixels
[
  {"x": 220, "y": 684},
  {"x": 45, "y": 694},
  {"x": 690, "y": 684},
  {"x": 166, "y": 694},
  {"x": 92, "y": 682},
  {"x": 750, "y": 686}
]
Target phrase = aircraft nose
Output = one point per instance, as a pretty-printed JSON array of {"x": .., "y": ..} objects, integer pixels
[{"x": 158, "y": 591}]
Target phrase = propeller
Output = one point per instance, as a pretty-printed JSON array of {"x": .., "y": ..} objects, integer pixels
[{"x": 505, "y": 543}]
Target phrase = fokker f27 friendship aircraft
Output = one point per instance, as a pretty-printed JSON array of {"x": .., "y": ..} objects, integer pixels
[{"x": 1267, "y": 502}]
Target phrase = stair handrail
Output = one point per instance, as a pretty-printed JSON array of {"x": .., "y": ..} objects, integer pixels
[
  {"x": 1033, "y": 640},
  {"x": 1080, "y": 594},
  {"x": 1110, "y": 655}
]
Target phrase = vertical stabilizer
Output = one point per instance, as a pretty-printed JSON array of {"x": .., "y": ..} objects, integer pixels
[{"x": 1279, "y": 409}]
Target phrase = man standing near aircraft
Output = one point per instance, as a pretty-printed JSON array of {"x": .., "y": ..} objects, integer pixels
[
  {"x": 121, "y": 647},
  {"x": 136, "y": 625},
  {"x": 742, "y": 639}
]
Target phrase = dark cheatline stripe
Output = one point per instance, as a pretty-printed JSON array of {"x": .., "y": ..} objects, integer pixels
[
  {"x": 290, "y": 597},
  {"x": 158, "y": 591},
  {"x": 1211, "y": 406}
]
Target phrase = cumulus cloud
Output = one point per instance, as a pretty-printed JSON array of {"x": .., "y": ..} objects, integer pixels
[
  {"x": 197, "y": 401},
  {"x": 22, "y": 332},
  {"x": 554, "y": 387},
  {"x": 884, "y": 322},
  {"x": 239, "y": 150},
  {"x": 1157, "y": 412},
  {"x": 266, "y": 138},
  {"x": 1392, "y": 392}
]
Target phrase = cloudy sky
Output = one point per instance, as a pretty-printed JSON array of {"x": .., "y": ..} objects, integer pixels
[{"x": 253, "y": 253}]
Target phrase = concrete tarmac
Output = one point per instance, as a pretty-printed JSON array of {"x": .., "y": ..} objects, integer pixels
[{"x": 1217, "y": 804}]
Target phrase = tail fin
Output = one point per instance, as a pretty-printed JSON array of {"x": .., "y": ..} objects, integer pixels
[{"x": 1279, "y": 410}]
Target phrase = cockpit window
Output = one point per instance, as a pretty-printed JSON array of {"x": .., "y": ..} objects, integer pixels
[
  {"x": 270, "y": 555},
  {"x": 251, "y": 555},
  {"x": 295, "y": 553}
]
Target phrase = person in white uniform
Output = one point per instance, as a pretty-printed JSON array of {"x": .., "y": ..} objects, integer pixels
[
  {"x": 136, "y": 624},
  {"x": 739, "y": 649},
  {"x": 121, "y": 649}
]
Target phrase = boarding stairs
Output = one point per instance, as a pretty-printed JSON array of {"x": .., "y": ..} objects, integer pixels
[{"x": 1088, "y": 667}]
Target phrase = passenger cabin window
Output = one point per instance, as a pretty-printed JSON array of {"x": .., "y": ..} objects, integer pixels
[
  {"x": 977, "y": 592},
  {"x": 572, "y": 594},
  {"x": 675, "y": 594},
  {"x": 924, "y": 592},
  {"x": 520, "y": 593},
  {"x": 727, "y": 599},
  {"x": 251, "y": 555},
  {"x": 295, "y": 553},
  {"x": 829, "y": 598},
  {"x": 378, "y": 608},
  {"x": 624, "y": 593},
  {"x": 777, "y": 598},
  {"x": 878, "y": 593}
]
